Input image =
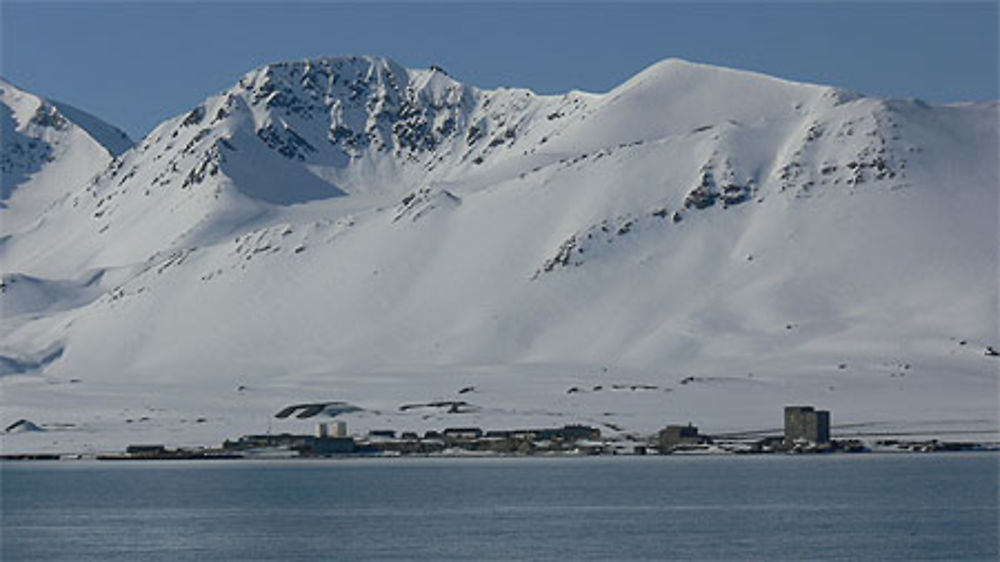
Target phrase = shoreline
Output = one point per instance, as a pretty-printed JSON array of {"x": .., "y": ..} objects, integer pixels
[{"x": 117, "y": 458}]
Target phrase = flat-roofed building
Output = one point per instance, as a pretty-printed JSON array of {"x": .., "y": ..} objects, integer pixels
[
  {"x": 678, "y": 436},
  {"x": 804, "y": 423},
  {"x": 462, "y": 433}
]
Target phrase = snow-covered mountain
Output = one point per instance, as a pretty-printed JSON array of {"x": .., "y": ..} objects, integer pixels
[
  {"x": 49, "y": 149},
  {"x": 698, "y": 244}
]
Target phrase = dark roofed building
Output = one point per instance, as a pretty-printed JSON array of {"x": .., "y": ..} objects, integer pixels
[
  {"x": 323, "y": 446},
  {"x": 146, "y": 450},
  {"x": 677, "y": 436},
  {"x": 567, "y": 433},
  {"x": 306, "y": 445}
]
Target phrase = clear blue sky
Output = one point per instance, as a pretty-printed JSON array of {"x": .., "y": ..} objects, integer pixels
[{"x": 136, "y": 64}]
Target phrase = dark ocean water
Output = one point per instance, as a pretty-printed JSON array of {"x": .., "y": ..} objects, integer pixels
[{"x": 862, "y": 507}]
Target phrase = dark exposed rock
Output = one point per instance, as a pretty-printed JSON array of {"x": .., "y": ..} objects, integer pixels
[
  {"x": 48, "y": 116},
  {"x": 287, "y": 142},
  {"x": 22, "y": 425},
  {"x": 702, "y": 196},
  {"x": 194, "y": 117}
]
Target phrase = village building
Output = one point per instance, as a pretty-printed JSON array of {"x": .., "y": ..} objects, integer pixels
[
  {"x": 325, "y": 446},
  {"x": 675, "y": 437},
  {"x": 499, "y": 434},
  {"x": 258, "y": 441},
  {"x": 338, "y": 429},
  {"x": 146, "y": 450},
  {"x": 305, "y": 445},
  {"x": 803, "y": 423},
  {"x": 462, "y": 433},
  {"x": 331, "y": 429},
  {"x": 568, "y": 433},
  {"x": 524, "y": 434}
]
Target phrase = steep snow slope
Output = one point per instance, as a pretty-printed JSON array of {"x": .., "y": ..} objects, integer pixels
[
  {"x": 49, "y": 149},
  {"x": 699, "y": 243}
]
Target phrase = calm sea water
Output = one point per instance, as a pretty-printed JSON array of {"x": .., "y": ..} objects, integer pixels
[{"x": 864, "y": 507}]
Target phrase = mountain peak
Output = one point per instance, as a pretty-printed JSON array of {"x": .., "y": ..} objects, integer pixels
[
  {"x": 680, "y": 70},
  {"x": 44, "y": 143},
  {"x": 304, "y": 71},
  {"x": 31, "y": 109}
]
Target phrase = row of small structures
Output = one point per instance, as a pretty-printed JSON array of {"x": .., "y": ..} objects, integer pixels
[
  {"x": 806, "y": 430},
  {"x": 331, "y": 439}
]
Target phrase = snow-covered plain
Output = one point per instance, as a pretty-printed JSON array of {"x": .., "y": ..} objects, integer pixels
[{"x": 699, "y": 244}]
